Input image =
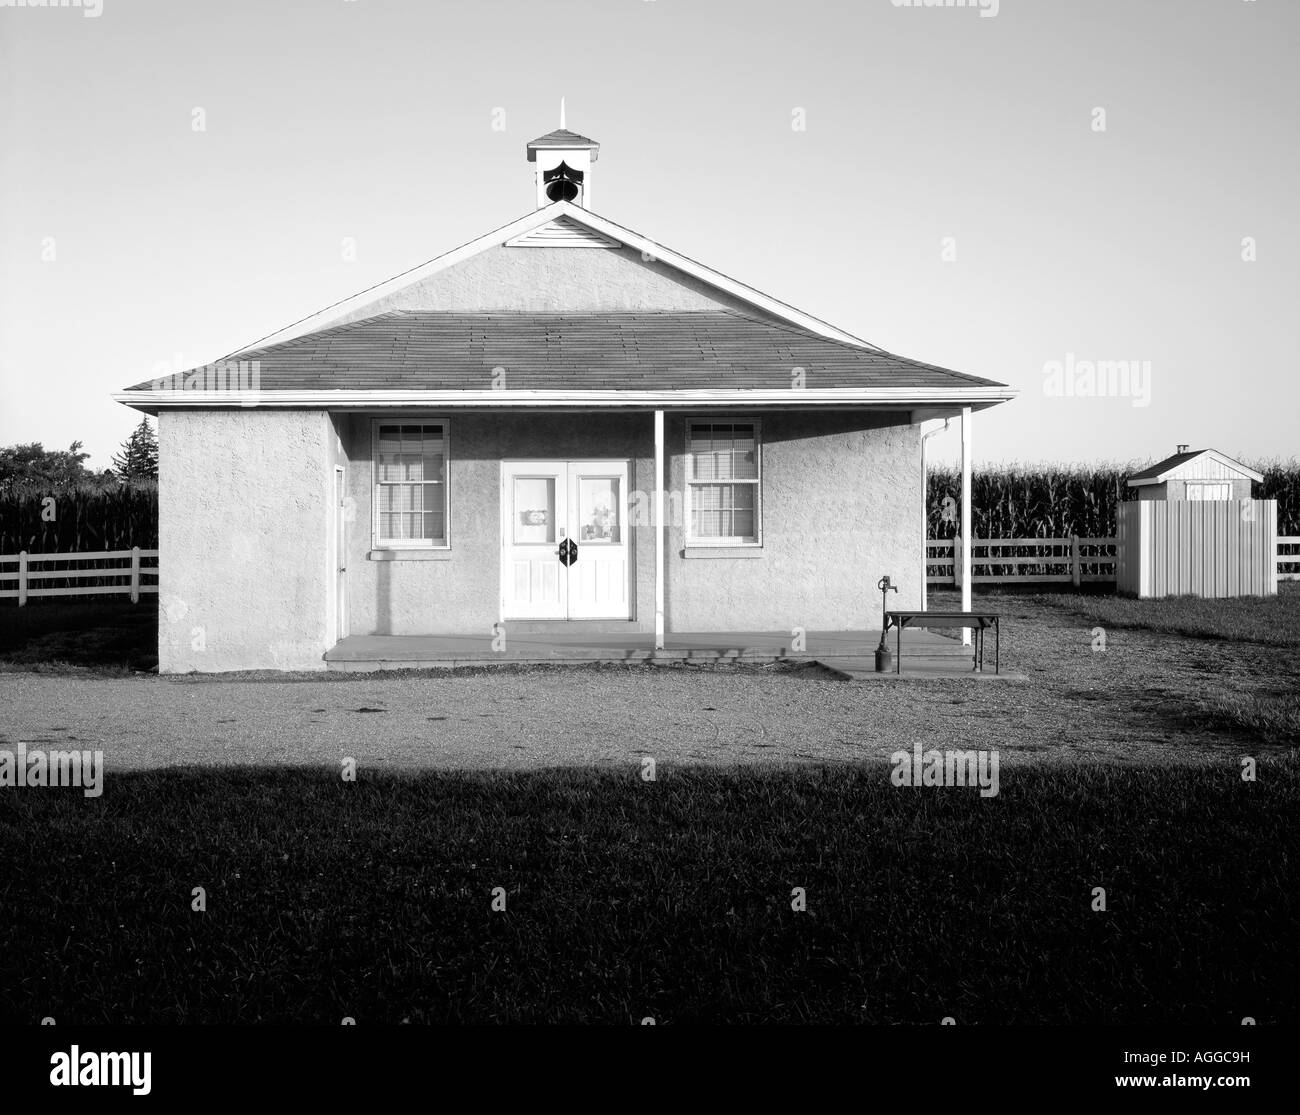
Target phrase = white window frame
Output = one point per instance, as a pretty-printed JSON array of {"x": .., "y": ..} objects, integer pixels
[
  {"x": 1200, "y": 487},
  {"x": 378, "y": 542},
  {"x": 734, "y": 541}
]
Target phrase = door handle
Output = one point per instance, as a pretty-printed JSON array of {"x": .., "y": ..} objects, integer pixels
[{"x": 568, "y": 552}]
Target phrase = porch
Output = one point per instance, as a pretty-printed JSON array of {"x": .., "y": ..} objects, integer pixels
[
  {"x": 582, "y": 515},
  {"x": 849, "y": 653}
]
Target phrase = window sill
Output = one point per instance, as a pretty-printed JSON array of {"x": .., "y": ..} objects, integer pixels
[
  {"x": 409, "y": 555},
  {"x": 693, "y": 552}
]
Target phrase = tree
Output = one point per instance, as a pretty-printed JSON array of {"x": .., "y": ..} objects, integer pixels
[
  {"x": 139, "y": 457},
  {"x": 34, "y": 464}
]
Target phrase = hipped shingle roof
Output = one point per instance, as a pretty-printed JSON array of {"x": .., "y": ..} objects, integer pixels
[{"x": 580, "y": 352}]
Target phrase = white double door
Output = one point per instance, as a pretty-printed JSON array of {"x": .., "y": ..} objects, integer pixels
[{"x": 565, "y": 540}]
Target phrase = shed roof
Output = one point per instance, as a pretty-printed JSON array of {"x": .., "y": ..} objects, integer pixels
[
  {"x": 1165, "y": 470},
  {"x": 587, "y": 352}
]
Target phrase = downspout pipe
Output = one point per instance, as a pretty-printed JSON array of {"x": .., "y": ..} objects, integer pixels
[{"x": 925, "y": 526}]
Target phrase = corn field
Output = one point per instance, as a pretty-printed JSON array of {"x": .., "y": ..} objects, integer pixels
[
  {"x": 1282, "y": 483},
  {"x": 78, "y": 520}
]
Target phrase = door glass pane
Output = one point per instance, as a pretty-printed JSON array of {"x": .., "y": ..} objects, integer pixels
[
  {"x": 534, "y": 510},
  {"x": 598, "y": 509}
]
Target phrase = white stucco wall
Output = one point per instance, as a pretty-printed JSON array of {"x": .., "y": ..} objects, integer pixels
[
  {"x": 841, "y": 499},
  {"x": 554, "y": 280},
  {"x": 243, "y": 500}
]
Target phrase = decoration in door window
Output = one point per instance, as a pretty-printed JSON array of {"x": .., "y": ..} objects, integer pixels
[
  {"x": 598, "y": 503},
  {"x": 534, "y": 510}
]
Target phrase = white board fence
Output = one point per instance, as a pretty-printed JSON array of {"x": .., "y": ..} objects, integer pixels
[
  {"x": 118, "y": 571},
  {"x": 1288, "y": 558},
  {"x": 1072, "y": 560}
]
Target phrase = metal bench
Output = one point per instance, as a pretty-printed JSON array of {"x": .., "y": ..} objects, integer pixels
[{"x": 977, "y": 621}]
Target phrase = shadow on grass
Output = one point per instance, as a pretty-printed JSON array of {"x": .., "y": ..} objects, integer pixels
[
  {"x": 671, "y": 899},
  {"x": 106, "y": 636},
  {"x": 1273, "y": 718}
]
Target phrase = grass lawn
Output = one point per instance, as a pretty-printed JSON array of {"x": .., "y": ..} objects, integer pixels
[
  {"x": 669, "y": 899},
  {"x": 1272, "y": 620},
  {"x": 106, "y": 634}
]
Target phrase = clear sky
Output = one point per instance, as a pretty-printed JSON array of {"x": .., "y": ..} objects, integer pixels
[{"x": 130, "y": 241}]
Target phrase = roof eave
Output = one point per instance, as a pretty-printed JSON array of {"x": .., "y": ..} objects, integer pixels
[{"x": 978, "y": 398}]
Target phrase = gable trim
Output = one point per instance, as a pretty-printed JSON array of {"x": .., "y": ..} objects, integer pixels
[
  {"x": 1165, "y": 475},
  {"x": 529, "y": 222},
  {"x": 563, "y": 232}
]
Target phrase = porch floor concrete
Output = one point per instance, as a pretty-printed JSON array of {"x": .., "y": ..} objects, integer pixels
[{"x": 850, "y": 653}]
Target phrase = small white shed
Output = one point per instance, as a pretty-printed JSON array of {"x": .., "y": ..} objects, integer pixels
[{"x": 1195, "y": 530}]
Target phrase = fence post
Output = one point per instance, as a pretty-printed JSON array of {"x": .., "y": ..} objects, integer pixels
[
  {"x": 958, "y": 573},
  {"x": 22, "y": 578},
  {"x": 1075, "y": 571},
  {"x": 135, "y": 575}
]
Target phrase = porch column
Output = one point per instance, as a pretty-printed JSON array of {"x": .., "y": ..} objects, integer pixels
[
  {"x": 965, "y": 519},
  {"x": 660, "y": 526},
  {"x": 925, "y": 508},
  {"x": 925, "y": 525}
]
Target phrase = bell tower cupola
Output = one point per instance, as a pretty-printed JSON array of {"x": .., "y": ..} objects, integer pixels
[{"x": 563, "y": 160}]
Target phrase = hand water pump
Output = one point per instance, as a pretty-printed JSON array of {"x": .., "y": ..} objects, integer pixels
[{"x": 884, "y": 659}]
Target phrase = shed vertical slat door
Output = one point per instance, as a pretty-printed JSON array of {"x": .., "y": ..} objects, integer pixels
[
  {"x": 1199, "y": 559},
  {"x": 1248, "y": 571},
  {"x": 1165, "y": 556},
  {"x": 1228, "y": 543},
  {"x": 1210, "y": 548}
]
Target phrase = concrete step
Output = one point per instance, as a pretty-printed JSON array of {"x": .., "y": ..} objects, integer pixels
[
  {"x": 864, "y": 670},
  {"x": 568, "y": 628}
]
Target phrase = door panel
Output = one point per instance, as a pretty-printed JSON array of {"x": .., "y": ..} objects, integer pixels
[
  {"x": 598, "y": 503},
  {"x": 534, "y": 498},
  {"x": 545, "y": 503}
]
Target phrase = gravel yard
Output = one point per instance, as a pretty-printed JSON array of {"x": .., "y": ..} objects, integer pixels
[{"x": 1138, "y": 701}]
